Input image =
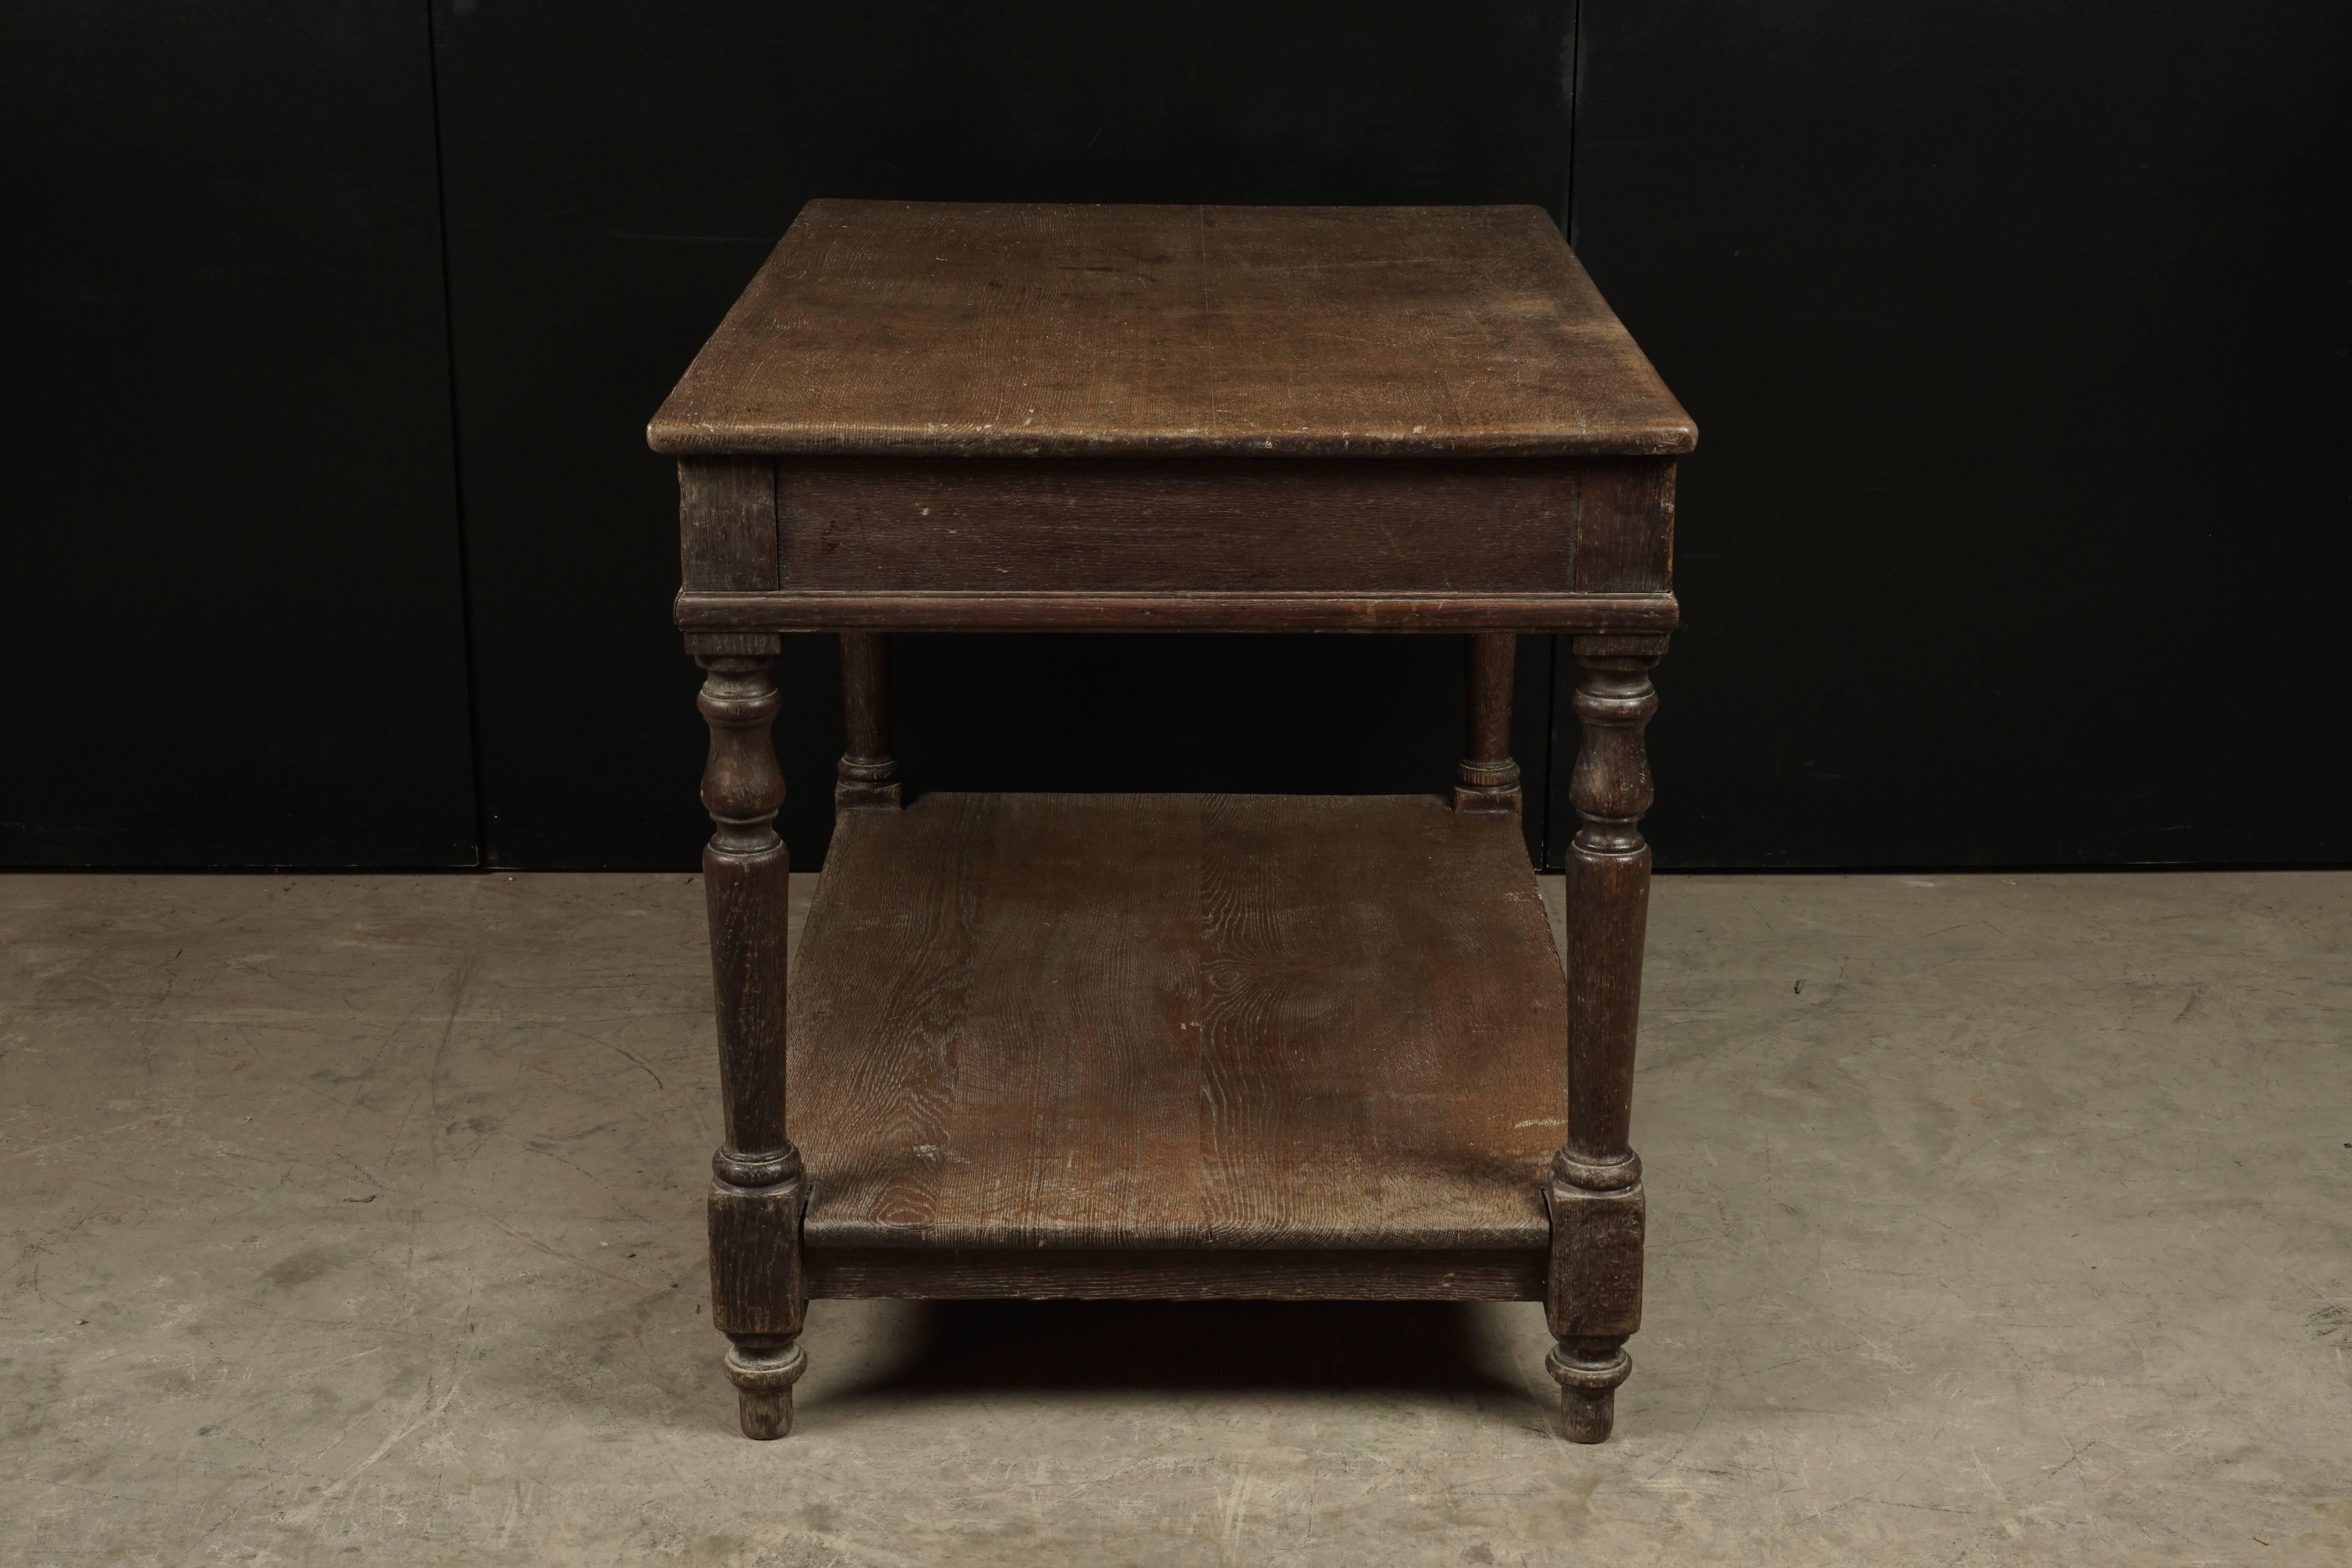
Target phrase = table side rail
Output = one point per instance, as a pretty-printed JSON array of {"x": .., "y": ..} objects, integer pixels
[
  {"x": 1339, "y": 1275},
  {"x": 783, "y": 610}
]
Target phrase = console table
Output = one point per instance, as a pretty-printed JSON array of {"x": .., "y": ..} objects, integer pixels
[{"x": 1175, "y": 1047}]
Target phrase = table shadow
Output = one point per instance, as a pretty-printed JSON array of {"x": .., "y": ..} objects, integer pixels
[{"x": 954, "y": 1347}]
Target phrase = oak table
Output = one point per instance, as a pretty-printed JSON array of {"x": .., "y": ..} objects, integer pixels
[{"x": 1175, "y": 1047}]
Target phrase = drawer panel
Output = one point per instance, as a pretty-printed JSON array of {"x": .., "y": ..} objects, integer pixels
[{"x": 995, "y": 525}]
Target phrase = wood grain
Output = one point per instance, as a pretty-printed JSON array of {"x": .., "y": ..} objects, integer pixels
[
  {"x": 727, "y": 522},
  {"x": 1358, "y": 1274},
  {"x": 1596, "y": 1280},
  {"x": 1486, "y": 779},
  {"x": 1177, "y": 1022},
  {"x": 962, "y": 330},
  {"x": 867, "y": 774},
  {"x": 1608, "y": 900},
  {"x": 1263, "y": 525},
  {"x": 758, "y": 1184},
  {"x": 1194, "y": 1045},
  {"x": 1598, "y": 1208},
  {"x": 746, "y": 873},
  {"x": 1013, "y": 609}
]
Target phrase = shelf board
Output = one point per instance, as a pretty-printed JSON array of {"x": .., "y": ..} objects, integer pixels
[{"x": 1054, "y": 1041}]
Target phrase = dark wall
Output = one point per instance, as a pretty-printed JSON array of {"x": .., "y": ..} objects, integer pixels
[
  {"x": 2015, "y": 335},
  {"x": 231, "y": 607}
]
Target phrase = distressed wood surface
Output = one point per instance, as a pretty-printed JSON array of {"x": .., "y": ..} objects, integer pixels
[
  {"x": 758, "y": 1185},
  {"x": 1185, "y": 1045},
  {"x": 1351, "y": 1274},
  {"x": 1177, "y": 1022},
  {"x": 1012, "y": 609},
  {"x": 726, "y": 524},
  {"x": 1597, "y": 1207},
  {"x": 1486, "y": 778},
  {"x": 943, "y": 329},
  {"x": 867, "y": 774},
  {"x": 1191, "y": 525}
]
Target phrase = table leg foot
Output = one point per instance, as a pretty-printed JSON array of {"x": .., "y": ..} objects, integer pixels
[
  {"x": 763, "y": 1372},
  {"x": 1588, "y": 1372}
]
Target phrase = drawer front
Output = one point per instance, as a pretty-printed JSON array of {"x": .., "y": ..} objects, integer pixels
[{"x": 999, "y": 525}]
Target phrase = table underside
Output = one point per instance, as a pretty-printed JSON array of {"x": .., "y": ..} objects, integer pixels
[{"x": 1177, "y": 1047}]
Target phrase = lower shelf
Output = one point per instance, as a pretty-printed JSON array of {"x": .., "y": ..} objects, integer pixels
[
  {"x": 1177, "y": 1047},
  {"x": 1336, "y": 1274}
]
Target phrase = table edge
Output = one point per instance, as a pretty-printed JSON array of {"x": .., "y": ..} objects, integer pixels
[
  {"x": 781, "y": 610},
  {"x": 683, "y": 440}
]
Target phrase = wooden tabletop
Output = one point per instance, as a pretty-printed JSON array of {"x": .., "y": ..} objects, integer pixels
[{"x": 965, "y": 330}]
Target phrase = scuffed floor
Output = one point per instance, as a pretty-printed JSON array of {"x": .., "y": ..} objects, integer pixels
[{"x": 1994, "y": 1220}]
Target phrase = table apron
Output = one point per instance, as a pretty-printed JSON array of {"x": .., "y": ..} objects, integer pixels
[
  {"x": 789, "y": 611},
  {"x": 1233, "y": 532}
]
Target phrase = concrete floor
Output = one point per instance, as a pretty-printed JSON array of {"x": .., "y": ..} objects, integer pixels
[{"x": 356, "y": 1219}]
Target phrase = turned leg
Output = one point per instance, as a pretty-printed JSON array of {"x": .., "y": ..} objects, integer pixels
[
  {"x": 1594, "y": 1301},
  {"x": 757, "y": 1186},
  {"x": 1487, "y": 779},
  {"x": 868, "y": 774}
]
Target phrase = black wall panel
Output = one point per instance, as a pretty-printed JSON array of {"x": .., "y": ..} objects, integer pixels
[
  {"x": 615, "y": 173},
  {"x": 234, "y": 623},
  {"x": 2016, "y": 335}
]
